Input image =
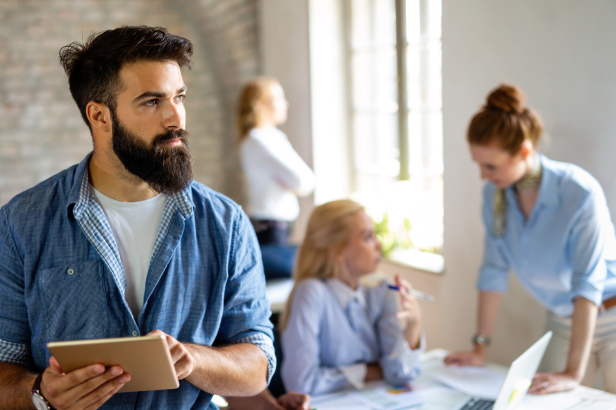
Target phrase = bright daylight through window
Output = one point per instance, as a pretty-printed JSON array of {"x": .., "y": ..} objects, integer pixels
[{"x": 396, "y": 109}]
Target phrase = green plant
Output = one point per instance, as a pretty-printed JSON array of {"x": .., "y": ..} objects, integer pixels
[{"x": 392, "y": 239}]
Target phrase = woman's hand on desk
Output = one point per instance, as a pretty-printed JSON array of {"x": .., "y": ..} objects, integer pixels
[
  {"x": 476, "y": 357},
  {"x": 553, "y": 382}
]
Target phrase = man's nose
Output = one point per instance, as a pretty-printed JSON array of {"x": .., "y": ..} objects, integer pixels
[{"x": 174, "y": 117}]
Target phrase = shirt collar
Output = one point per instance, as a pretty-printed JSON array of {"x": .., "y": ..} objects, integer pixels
[
  {"x": 344, "y": 294},
  {"x": 548, "y": 190},
  {"x": 80, "y": 194}
]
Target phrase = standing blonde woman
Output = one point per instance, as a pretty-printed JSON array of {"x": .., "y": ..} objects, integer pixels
[
  {"x": 276, "y": 175},
  {"x": 547, "y": 221},
  {"x": 337, "y": 332}
]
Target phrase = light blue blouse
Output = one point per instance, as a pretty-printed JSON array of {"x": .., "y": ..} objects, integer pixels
[
  {"x": 566, "y": 248},
  {"x": 333, "y": 332}
]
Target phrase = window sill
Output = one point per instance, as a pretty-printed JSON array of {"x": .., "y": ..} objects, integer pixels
[{"x": 413, "y": 258}]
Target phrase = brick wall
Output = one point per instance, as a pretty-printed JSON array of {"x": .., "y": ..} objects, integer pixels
[{"x": 41, "y": 131}]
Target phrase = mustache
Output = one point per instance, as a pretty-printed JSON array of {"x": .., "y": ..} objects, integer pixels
[{"x": 169, "y": 136}]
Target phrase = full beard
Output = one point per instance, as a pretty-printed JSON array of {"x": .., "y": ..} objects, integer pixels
[{"x": 165, "y": 169}]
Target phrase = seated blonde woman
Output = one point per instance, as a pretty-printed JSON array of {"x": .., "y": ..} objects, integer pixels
[{"x": 337, "y": 332}]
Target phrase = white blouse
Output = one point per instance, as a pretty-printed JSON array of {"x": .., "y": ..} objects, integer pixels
[{"x": 275, "y": 173}]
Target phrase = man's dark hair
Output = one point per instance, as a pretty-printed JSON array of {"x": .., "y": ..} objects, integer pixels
[{"x": 93, "y": 67}]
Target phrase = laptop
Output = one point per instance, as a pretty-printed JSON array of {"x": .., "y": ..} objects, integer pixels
[{"x": 514, "y": 388}]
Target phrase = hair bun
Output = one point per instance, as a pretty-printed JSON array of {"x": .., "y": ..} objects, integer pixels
[{"x": 506, "y": 98}]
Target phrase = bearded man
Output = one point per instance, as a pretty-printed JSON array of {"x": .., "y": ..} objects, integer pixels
[{"x": 127, "y": 244}]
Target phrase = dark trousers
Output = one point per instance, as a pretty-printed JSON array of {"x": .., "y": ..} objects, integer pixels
[{"x": 278, "y": 256}]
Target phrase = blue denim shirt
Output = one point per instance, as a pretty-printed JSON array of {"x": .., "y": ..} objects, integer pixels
[
  {"x": 566, "y": 249},
  {"x": 61, "y": 278}
]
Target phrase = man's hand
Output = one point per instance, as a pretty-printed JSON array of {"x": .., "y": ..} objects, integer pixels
[
  {"x": 183, "y": 360},
  {"x": 553, "y": 382},
  {"x": 294, "y": 401},
  {"x": 85, "y": 388}
]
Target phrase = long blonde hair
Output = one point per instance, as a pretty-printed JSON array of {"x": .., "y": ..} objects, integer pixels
[
  {"x": 329, "y": 229},
  {"x": 252, "y": 109}
]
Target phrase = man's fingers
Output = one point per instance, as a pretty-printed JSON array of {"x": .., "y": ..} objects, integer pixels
[
  {"x": 55, "y": 384},
  {"x": 177, "y": 352},
  {"x": 184, "y": 367},
  {"x": 96, "y": 389},
  {"x": 156, "y": 332},
  {"x": 54, "y": 366},
  {"x": 99, "y": 396},
  {"x": 62, "y": 397}
]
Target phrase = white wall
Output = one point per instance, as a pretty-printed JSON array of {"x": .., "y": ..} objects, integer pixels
[
  {"x": 563, "y": 55},
  {"x": 330, "y": 102},
  {"x": 284, "y": 53}
]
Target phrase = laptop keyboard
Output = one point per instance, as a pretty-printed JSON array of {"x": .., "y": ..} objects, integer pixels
[{"x": 478, "y": 404}]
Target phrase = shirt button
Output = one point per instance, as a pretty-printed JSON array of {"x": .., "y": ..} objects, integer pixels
[
  {"x": 134, "y": 333},
  {"x": 70, "y": 271}
]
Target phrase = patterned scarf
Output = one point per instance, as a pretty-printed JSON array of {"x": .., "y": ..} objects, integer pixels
[{"x": 529, "y": 181}]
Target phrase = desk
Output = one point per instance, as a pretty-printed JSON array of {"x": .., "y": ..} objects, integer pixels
[{"x": 443, "y": 398}]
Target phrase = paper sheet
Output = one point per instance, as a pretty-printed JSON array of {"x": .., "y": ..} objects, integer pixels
[
  {"x": 475, "y": 381},
  {"x": 379, "y": 398},
  {"x": 582, "y": 398}
]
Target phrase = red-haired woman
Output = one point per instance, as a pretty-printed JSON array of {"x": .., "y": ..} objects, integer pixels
[{"x": 549, "y": 222}]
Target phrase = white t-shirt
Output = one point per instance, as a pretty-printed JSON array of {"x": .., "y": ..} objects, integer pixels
[
  {"x": 275, "y": 173},
  {"x": 135, "y": 226}
]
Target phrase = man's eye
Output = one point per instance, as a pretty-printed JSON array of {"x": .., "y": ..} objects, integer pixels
[
  {"x": 151, "y": 103},
  {"x": 181, "y": 97}
]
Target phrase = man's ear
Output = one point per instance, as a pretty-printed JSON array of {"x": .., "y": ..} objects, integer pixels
[{"x": 99, "y": 116}]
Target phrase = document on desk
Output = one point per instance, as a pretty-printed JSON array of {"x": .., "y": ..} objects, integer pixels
[
  {"x": 475, "y": 381},
  {"x": 377, "y": 398},
  {"x": 582, "y": 398}
]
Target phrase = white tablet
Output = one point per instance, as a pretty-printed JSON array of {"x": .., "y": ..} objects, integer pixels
[{"x": 145, "y": 358}]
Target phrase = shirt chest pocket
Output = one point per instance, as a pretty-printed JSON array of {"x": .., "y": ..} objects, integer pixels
[{"x": 75, "y": 301}]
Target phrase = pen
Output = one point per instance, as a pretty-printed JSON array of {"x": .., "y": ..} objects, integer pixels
[{"x": 416, "y": 293}]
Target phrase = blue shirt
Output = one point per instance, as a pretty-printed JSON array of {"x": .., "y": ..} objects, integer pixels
[
  {"x": 565, "y": 249},
  {"x": 332, "y": 333},
  {"x": 61, "y": 278}
]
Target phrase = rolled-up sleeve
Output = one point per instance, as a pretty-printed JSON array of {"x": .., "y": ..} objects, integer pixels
[
  {"x": 246, "y": 308},
  {"x": 14, "y": 327},
  {"x": 587, "y": 244},
  {"x": 494, "y": 271},
  {"x": 399, "y": 362},
  {"x": 302, "y": 371}
]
